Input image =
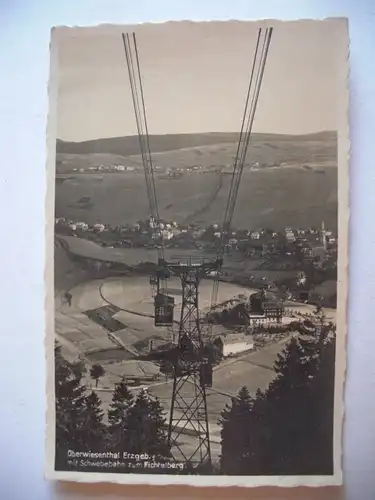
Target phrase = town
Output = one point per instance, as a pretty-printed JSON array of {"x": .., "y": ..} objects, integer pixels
[{"x": 298, "y": 264}]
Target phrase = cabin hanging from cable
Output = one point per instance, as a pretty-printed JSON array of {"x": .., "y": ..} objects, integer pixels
[
  {"x": 206, "y": 373},
  {"x": 164, "y": 309}
]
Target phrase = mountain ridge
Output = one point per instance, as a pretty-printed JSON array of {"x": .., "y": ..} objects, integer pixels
[{"x": 129, "y": 145}]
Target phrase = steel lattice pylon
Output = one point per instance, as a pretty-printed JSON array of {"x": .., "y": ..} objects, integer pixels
[
  {"x": 189, "y": 405},
  {"x": 192, "y": 368}
]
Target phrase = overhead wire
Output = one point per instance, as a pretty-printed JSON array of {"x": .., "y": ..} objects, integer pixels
[
  {"x": 152, "y": 177},
  {"x": 243, "y": 143},
  {"x": 136, "y": 86},
  {"x": 135, "y": 80}
]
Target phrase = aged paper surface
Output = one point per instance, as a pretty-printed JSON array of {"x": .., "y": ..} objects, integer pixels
[{"x": 197, "y": 253}]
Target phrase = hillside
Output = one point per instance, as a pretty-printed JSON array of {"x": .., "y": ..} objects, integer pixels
[
  {"x": 265, "y": 150},
  {"x": 274, "y": 198},
  {"x": 292, "y": 182},
  {"x": 126, "y": 146}
]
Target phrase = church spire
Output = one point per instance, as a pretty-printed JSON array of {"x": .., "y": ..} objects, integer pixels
[{"x": 324, "y": 240}]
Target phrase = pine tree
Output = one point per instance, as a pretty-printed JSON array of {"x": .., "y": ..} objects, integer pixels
[
  {"x": 296, "y": 431},
  {"x": 70, "y": 406},
  {"x": 146, "y": 427},
  {"x": 289, "y": 411},
  {"x": 293, "y": 364},
  {"x": 235, "y": 436},
  {"x": 122, "y": 400},
  {"x": 323, "y": 392},
  {"x": 257, "y": 437},
  {"x": 95, "y": 430}
]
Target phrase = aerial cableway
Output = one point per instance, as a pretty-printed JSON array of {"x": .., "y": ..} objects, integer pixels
[
  {"x": 192, "y": 361},
  {"x": 165, "y": 303},
  {"x": 256, "y": 78}
]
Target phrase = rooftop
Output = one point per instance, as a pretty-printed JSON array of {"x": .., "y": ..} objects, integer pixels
[{"x": 236, "y": 338}]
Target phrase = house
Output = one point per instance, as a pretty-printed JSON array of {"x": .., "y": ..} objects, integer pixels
[
  {"x": 258, "y": 319},
  {"x": 255, "y": 235},
  {"x": 167, "y": 235},
  {"x": 235, "y": 343},
  {"x": 290, "y": 236},
  {"x": 274, "y": 310},
  {"x": 99, "y": 228},
  {"x": 266, "y": 304},
  {"x": 82, "y": 225}
]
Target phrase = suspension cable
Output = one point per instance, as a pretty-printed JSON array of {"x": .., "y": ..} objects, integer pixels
[
  {"x": 135, "y": 80},
  {"x": 243, "y": 143}
]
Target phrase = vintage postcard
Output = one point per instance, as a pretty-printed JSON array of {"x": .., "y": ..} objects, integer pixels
[{"x": 197, "y": 253}]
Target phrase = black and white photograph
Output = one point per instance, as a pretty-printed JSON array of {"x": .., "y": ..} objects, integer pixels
[{"x": 198, "y": 242}]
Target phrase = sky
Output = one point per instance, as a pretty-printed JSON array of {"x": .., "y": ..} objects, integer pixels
[{"x": 195, "y": 78}]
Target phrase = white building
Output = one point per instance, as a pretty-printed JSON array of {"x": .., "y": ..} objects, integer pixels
[
  {"x": 167, "y": 235},
  {"x": 235, "y": 343},
  {"x": 99, "y": 228},
  {"x": 290, "y": 236},
  {"x": 258, "y": 319},
  {"x": 82, "y": 225}
]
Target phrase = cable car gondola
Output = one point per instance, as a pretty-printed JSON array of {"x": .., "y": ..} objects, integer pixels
[
  {"x": 206, "y": 372},
  {"x": 164, "y": 308}
]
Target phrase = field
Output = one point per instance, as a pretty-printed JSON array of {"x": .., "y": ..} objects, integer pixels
[{"x": 295, "y": 184}]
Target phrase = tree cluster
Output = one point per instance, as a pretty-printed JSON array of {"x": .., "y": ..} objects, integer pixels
[
  {"x": 133, "y": 424},
  {"x": 288, "y": 429}
]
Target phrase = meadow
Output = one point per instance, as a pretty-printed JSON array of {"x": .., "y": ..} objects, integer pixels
[{"x": 276, "y": 198}]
